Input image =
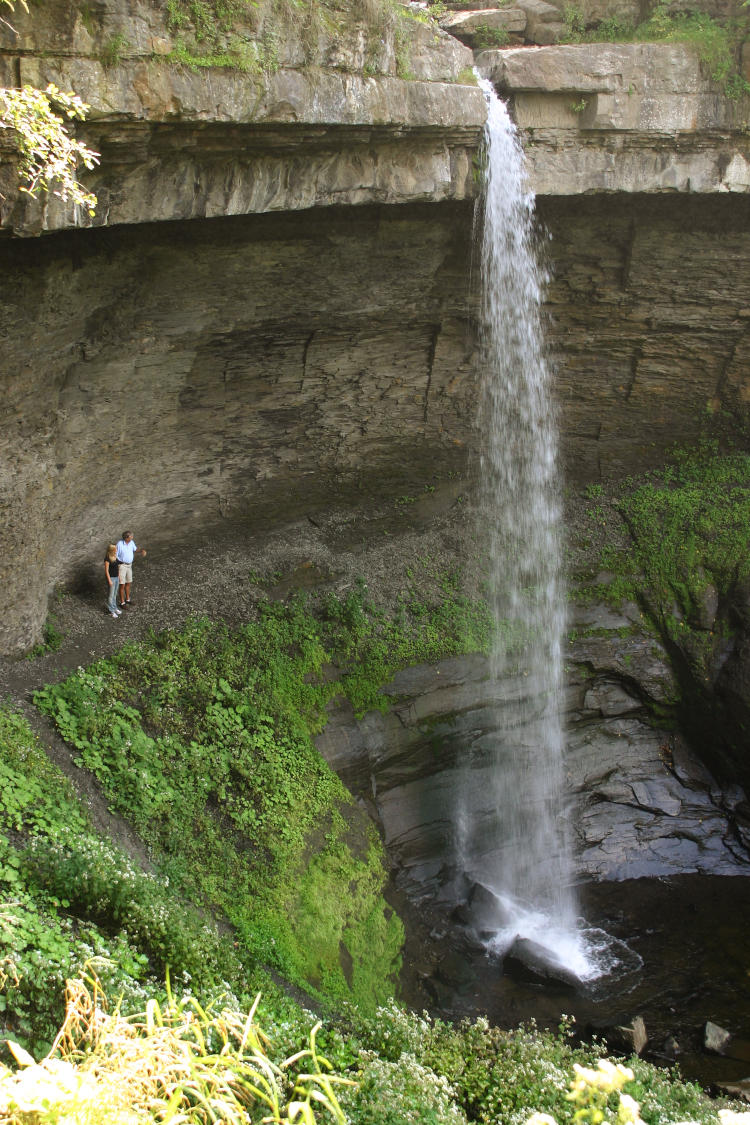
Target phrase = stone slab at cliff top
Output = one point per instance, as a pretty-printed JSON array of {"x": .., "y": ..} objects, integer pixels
[
  {"x": 351, "y": 113},
  {"x": 635, "y": 117}
]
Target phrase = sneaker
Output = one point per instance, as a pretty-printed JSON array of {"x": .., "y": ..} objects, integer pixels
[
  {"x": 118, "y": 613},
  {"x": 115, "y": 615}
]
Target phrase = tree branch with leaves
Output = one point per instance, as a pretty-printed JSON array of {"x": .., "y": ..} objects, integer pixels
[{"x": 49, "y": 157}]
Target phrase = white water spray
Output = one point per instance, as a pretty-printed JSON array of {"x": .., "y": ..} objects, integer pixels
[{"x": 517, "y": 847}]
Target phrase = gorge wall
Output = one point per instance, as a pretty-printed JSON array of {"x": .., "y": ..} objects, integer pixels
[
  {"x": 261, "y": 366},
  {"x": 272, "y": 314},
  {"x": 267, "y": 366}
]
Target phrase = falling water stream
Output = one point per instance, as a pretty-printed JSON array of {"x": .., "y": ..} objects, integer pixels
[
  {"x": 674, "y": 950},
  {"x": 517, "y": 848}
]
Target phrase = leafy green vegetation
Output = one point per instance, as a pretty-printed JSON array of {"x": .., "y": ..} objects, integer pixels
[
  {"x": 114, "y": 49},
  {"x": 52, "y": 639},
  {"x": 175, "y": 1059},
  {"x": 276, "y": 1064},
  {"x": 688, "y": 548},
  {"x": 485, "y": 37},
  {"x": 48, "y": 156},
  {"x": 673, "y": 542},
  {"x": 203, "y": 738},
  {"x": 369, "y": 645},
  {"x": 229, "y": 790},
  {"x": 74, "y": 899},
  {"x": 248, "y": 34}
]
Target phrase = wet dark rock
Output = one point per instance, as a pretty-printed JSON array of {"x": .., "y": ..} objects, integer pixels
[
  {"x": 455, "y": 969},
  {"x": 671, "y": 1048},
  {"x": 705, "y": 612},
  {"x": 526, "y": 957},
  {"x": 461, "y": 915},
  {"x": 642, "y": 802},
  {"x": 636, "y": 658},
  {"x": 486, "y": 910},
  {"x": 742, "y": 823},
  {"x": 623, "y": 1035},
  {"x": 454, "y": 888},
  {"x": 440, "y": 994},
  {"x": 739, "y": 1090},
  {"x": 610, "y": 699}
]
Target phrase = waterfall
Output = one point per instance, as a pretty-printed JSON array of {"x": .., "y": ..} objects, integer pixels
[{"x": 512, "y": 836}]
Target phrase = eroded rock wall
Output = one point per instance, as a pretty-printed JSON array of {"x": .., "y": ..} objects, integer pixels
[
  {"x": 173, "y": 376},
  {"x": 649, "y": 325},
  {"x": 169, "y": 377}
]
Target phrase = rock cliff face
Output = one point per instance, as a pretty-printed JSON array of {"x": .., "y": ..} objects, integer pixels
[
  {"x": 174, "y": 377},
  {"x": 263, "y": 366},
  {"x": 297, "y": 357},
  {"x": 273, "y": 313},
  {"x": 332, "y": 121},
  {"x": 649, "y": 308},
  {"x": 641, "y": 802},
  {"x": 634, "y": 117}
]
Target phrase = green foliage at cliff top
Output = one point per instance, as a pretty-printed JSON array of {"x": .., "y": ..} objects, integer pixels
[
  {"x": 248, "y": 34},
  {"x": 715, "y": 42}
]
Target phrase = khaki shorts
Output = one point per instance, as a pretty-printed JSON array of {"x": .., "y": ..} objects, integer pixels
[{"x": 126, "y": 573}]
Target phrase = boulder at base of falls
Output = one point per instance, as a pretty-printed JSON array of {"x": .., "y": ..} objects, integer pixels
[
  {"x": 485, "y": 911},
  {"x": 631, "y": 1038},
  {"x": 529, "y": 957}
]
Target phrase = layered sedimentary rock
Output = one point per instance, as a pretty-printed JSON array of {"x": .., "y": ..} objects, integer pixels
[
  {"x": 266, "y": 365},
  {"x": 633, "y": 117},
  {"x": 173, "y": 377},
  {"x": 649, "y": 306},
  {"x": 641, "y": 802},
  {"x": 334, "y": 119}
]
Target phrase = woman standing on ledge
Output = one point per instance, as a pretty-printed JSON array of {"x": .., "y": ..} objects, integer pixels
[{"x": 112, "y": 571}]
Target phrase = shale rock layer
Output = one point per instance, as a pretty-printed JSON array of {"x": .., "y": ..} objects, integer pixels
[{"x": 172, "y": 376}]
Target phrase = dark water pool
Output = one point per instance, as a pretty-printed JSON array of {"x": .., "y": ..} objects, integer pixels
[{"x": 691, "y": 935}]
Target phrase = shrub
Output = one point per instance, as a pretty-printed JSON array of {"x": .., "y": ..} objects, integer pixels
[
  {"x": 99, "y": 883},
  {"x": 401, "y": 1093}
]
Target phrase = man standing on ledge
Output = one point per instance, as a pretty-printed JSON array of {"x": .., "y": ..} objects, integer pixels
[{"x": 126, "y": 550}]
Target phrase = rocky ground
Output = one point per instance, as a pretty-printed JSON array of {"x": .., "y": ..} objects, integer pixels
[{"x": 227, "y": 573}]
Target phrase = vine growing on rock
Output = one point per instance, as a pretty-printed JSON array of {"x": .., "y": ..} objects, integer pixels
[
  {"x": 673, "y": 541},
  {"x": 689, "y": 552}
]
